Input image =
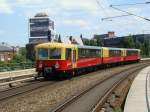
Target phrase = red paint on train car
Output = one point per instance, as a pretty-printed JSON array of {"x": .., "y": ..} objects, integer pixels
[
  {"x": 58, "y": 64},
  {"x": 130, "y": 58},
  {"x": 114, "y": 59},
  {"x": 85, "y": 62}
]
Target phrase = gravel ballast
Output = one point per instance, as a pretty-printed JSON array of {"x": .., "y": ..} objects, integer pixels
[{"x": 46, "y": 98}]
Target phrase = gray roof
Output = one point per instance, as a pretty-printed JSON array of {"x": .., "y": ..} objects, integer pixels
[
  {"x": 6, "y": 48},
  {"x": 41, "y": 14}
]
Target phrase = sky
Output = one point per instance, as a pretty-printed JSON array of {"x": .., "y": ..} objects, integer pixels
[{"x": 71, "y": 17}]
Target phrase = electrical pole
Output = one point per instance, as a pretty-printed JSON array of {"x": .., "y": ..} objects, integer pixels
[{"x": 49, "y": 36}]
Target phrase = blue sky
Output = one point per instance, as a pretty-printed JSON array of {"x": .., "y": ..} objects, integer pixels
[{"x": 72, "y": 17}]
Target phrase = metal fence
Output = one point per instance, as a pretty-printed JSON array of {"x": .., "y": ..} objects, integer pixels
[{"x": 17, "y": 66}]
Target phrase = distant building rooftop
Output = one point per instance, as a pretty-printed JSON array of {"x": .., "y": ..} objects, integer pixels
[
  {"x": 41, "y": 14},
  {"x": 4, "y": 47},
  {"x": 110, "y": 34}
]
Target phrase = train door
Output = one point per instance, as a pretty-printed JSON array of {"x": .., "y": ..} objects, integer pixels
[{"x": 74, "y": 58}]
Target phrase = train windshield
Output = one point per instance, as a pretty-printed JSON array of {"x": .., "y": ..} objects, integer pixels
[
  {"x": 55, "y": 53},
  {"x": 43, "y": 53}
]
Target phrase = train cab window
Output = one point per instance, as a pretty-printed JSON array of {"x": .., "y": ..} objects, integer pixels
[
  {"x": 43, "y": 53},
  {"x": 68, "y": 54},
  {"x": 55, "y": 53}
]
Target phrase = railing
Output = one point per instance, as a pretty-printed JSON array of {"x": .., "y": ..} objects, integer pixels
[{"x": 17, "y": 66}]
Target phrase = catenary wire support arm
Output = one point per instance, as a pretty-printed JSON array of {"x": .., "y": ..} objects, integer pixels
[{"x": 115, "y": 17}]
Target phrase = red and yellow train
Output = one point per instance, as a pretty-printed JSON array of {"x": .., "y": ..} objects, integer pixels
[{"x": 63, "y": 60}]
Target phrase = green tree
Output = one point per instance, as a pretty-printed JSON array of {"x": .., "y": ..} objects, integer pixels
[
  {"x": 99, "y": 42},
  {"x": 138, "y": 45},
  {"x": 146, "y": 46},
  {"x": 20, "y": 56},
  {"x": 86, "y": 41},
  {"x": 59, "y": 39},
  {"x": 93, "y": 42},
  {"x": 128, "y": 42}
]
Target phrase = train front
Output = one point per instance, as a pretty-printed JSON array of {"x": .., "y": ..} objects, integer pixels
[{"x": 50, "y": 59}]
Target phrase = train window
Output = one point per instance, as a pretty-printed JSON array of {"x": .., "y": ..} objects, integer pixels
[
  {"x": 115, "y": 52},
  {"x": 68, "y": 54},
  {"x": 55, "y": 53},
  {"x": 43, "y": 53},
  {"x": 132, "y": 53},
  {"x": 81, "y": 53},
  {"x": 88, "y": 53}
]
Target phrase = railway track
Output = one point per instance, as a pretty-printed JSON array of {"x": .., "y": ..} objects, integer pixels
[
  {"x": 92, "y": 98},
  {"x": 16, "y": 91},
  {"x": 30, "y": 86},
  {"x": 9, "y": 93}
]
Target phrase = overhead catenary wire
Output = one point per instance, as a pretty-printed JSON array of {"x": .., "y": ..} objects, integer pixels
[
  {"x": 106, "y": 13},
  {"x": 147, "y": 19},
  {"x": 115, "y": 17},
  {"x": 132, "y": 4}
]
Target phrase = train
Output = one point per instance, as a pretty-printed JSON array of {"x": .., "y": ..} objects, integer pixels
[{"x": 66, "y": 60}]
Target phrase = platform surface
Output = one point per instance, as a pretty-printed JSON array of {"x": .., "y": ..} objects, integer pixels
[
  {"x": 17, "y": 73},
  {"x": 138, "y": 98}
]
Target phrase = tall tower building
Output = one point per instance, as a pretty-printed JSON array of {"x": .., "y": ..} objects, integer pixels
[{"x": 41, "y": 28}]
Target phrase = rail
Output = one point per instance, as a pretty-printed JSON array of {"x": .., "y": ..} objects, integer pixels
[
  {"x": 123, "y": 75},
  {"x": 98, "y": 106}
]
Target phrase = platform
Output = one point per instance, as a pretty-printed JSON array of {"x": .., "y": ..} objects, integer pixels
[
  {"x": 17, "y": 73},
  {"x": 138, "y": 98},
  {"x": 145, "y": 59}
]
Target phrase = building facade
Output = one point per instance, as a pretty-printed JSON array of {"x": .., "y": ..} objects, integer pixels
[
  {"x": 41, "y": 28},
  {"x": 110, "y": 40},
  {"x": 6, "y": 52}
]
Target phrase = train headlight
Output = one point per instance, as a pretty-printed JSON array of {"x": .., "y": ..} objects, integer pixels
[
  {"x": 57, "y": 65},
  {"x": 40, "y": 65}
]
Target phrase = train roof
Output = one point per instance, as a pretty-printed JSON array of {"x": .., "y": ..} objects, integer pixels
[
  {"x": 55, "y": 44},
  {"x": 51, "y": 44},
  {"x": 113, "y": 48},
  {"x": 88, "y": 47},
  {"x": 122, "y": 48},
  {"x": 133, "y": 49}
]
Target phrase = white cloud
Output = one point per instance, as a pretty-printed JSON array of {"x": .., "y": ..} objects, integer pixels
[
  {"x": 26, "y": 2},
  {"x": 49, "y": 11},
  {"x": 84, "y": 14},
  {"x": 78, "y": 22},
  {"x": 89, "y": 6},
  {"x": 5, "y": 7}
]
